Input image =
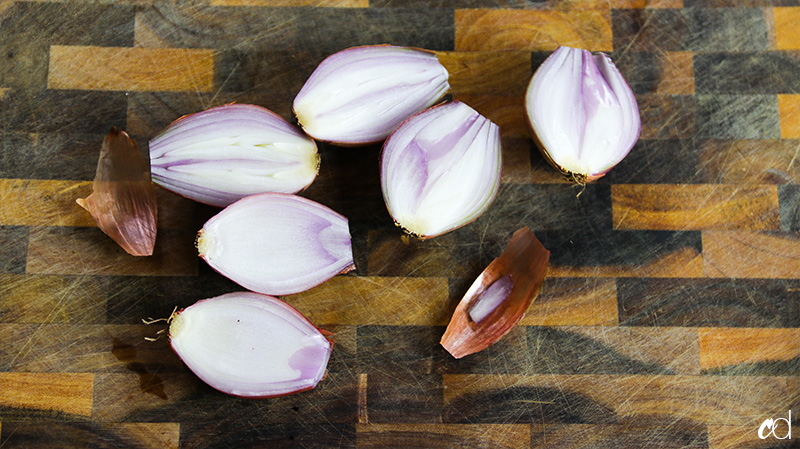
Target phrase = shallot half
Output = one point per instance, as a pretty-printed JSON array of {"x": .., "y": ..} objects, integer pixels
[
  {"x": 361, "y": 94},
  {"x": 277, "y": 243},
  {"x": 441, "y": 169},
  {"x": 225, "y": 153},
  {"x": 583, "y": 113},
  {"x": 250, "y": 345}
]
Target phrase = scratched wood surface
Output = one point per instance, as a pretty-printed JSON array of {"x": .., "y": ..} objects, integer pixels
[{"x": 670, "y": 316}]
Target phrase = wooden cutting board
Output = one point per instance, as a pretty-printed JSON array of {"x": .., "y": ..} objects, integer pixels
[{"x": 671, "y": 312}]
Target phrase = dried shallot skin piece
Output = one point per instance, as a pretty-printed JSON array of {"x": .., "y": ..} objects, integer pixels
[
  {"x": 123, "y": 199},
  {"x": 524, "y": 262}
]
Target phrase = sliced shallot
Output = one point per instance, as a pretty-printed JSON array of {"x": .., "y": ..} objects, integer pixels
[
  {"x": 583, "y": 114},
  {"x": 123, "y": 200},
  {"x": 250, "y": 345},
  {"x": 499, "y": 297},
  {"x": 441, "y": 169},
  {"x": 361, "y": 94},
  {"x": 225, "y": 153},
  {"x": 277, "y": 243}
]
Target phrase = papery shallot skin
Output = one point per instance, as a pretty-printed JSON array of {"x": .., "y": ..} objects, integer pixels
[
  {"x": 250, "y": 345},
  {"x": 277, "y": 243},
  {"x": 582, "y": 112},
  {"x": 499, "y": 297},
  {"x": 360, "y": 95},
  {"x": 123, "y": 199},
  {"x": 222, "y": 154},
  {"x": 440, "y": 169}
]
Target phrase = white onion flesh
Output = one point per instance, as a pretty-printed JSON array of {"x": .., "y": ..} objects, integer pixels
[
  {"x": 441, "y": 169},
  {"x": 361, "y": 94},
  {"x": 250, "y": 345},
  {"x": 225, "y": 153},
  {"x": 583, "y": 113},
  {"x": 277, "y": 244}
]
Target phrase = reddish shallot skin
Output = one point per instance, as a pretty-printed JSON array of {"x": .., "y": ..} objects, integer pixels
[
  {"x": 524, "y": 261},
  {"x": 123, "y": 200},
  {"x": 250, "y": 345}
]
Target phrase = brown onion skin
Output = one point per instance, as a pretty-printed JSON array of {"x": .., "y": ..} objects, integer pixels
[{"x": 525, "y": 259}]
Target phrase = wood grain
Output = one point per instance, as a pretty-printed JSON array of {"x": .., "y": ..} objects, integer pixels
[
  {"x": 744, "y": 437},
  {"x": 487, "y": 29},
  {"x": 698, "y": 207},
  {"x": 624, "y": 436},
  {"x": 677, "y": 74},
  {"x": 90, "y": 252},
  {"x": 750, "y": 254},
  {"x": 139, "y": 69},
  {"x": 508, "y": 112},
  {"x": 669, "y": 316},
  {"x": 753, "y": 303},
  {"x": 350, "y": 300},
  {"x": 315, "y": 3},
  {"x": 67, "y": 393},
  {"x": 722, "y": 348},
  {"x": 51, "y": 299},
  {"x": 443, "y": 436},
  {"x": 487, "y": 72},
  {"x": 786, "y": 35},
  {"x": 88, "y": 434},
  {"x": 789, "y": 107},
  {"x": 87, "y": 348},
  {"x": 725, "y": 400},
  {"x": 748, "y": 162},
  {"x": 570, "y": 302},
  {"x": 45, "y": 202}
]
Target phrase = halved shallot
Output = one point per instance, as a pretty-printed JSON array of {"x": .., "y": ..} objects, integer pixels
[
  {"x": 225, "y": 153},
  {"x": 123, "y": 199},
  {"x": 441, "y": 169},
  {"x": 277, "y": 243},
  {"x": 583, "y": 114},
  {"x": 361, "y": 94},
  {"x": 499, "y": 297},
  {"x": 250, "y": 345}
]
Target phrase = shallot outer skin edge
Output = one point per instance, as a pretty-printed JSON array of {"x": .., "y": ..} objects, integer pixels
[
  {"x": 614, "y": 81},
  {"x": 525, "y": 260},
  {"x": 492, "y": 184},
  {"x": 360, "y": 137},
  {"x": 123, "y": 202},
  {"x": 311, "y": 327},
  {"x": 210, "y": 246}
]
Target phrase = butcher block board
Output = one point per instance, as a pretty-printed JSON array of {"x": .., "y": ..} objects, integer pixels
[{"x": 670, "y": 316}]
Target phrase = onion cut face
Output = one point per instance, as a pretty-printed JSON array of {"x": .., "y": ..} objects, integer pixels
[
  {"x": 277, "y": 243},
  {"x": 250, "y": 345},
  {"x": 123, "y": 199},
  {"x": 361, "y": 94},
  {"x": 499, "y": 297},
  {"x": 225, "y": 153},
  {"x": 582, "y": 112},
  {"x": 441, "y": 169}
]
